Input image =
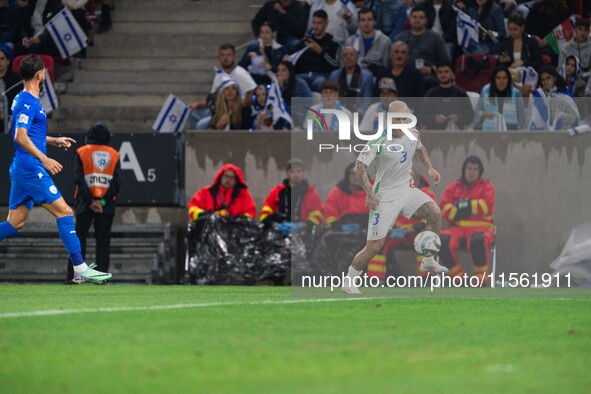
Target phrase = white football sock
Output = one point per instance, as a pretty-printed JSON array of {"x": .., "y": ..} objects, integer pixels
[
  {"x": 80, "y": 268},
  {"x": 352, "y": 273}
]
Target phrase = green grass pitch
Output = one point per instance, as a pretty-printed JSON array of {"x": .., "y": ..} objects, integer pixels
[{"x": 264, "y": 339}]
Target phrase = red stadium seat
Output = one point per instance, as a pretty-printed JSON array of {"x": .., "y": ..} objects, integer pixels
[
  {"x": 46, "y": 59},
  {"x": 474, "y": 71}
]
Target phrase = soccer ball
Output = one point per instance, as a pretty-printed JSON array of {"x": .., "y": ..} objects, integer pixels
[{"x": 427, "y": 243}]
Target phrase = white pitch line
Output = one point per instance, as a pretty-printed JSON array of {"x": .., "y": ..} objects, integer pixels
[{"x": 53, "y": 312}]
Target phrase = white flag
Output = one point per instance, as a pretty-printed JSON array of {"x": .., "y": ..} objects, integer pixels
[
  {"x": 67, "y": 34},
  {"x": 540, "y": 113},
  {"x": 48, "y": 97},
  {"x": 467, "y": 28},
  {"x": 294, "y": 57},
  {"x": 172, "y": 116},
  {"x": 275, "y": 102}
]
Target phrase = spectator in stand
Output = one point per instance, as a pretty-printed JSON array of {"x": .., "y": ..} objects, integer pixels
[
  {"x": 579, "y": 46},
  {"x": 353, "y": 81},
  {"x": 10, "y": 17},
  {"x": 200, "y": 117},
  {"x": 519, "y": 49},
  {"x": 562, "y": 109},
  {"x": 447, "y": 106},
  {"x": 570, "y": 71},
  {"x": 261, "y": 115},
  {"x": 543, "y": 17},
  {"x": 441, "y": 19},
  {"x": 390, "y": 16},
  {"x": 372, "y": 45},
  {"x": 317, "y": 55},
  {"x": 291, "y": 85},
  {"x": 345, "y": 197},
  {"x": 371, "y": 119},
  {"x": 229, "y": 112},
  {"x": 490, "y": 16},
  {"x": 342, "y": 18},
  {"x": 468, "y": 205},
  {"x": 426, "y": 48},
  {"x": 409, "y": 80},
  {"x": 33, "y": 38},
  {"x": 290, "y": 18},
  {"x": 329, "y": 95},
  {"x": 263, "y": 55},
  {"x": 500, "y": 103},
  {"x": 227, "y": 196},
  {"x": 8, "y": 79},
  {"x": 293, "y": 204}
]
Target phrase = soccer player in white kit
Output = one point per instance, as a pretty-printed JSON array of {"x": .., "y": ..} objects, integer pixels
[{"x": 393, "y": 193}]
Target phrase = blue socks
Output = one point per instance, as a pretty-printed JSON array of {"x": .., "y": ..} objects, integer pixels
[
  {"x": 7, "y": 230},
  {"x": 67, "y": 231}
]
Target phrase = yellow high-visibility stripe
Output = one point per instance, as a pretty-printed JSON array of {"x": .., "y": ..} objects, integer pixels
[
  {"x": 379, "y": 257},
  {"x": 376, "y": 268},
  {"x": 452, "y": 211},
  {"x": 474, "y": 204},
  {"x": 194, "y": 212},
  {"x": 475, "y": 223},
  {"x": 483, "y": 206}
]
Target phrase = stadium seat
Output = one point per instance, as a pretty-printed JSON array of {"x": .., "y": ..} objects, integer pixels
[
  {"x": 474, "y": 71},
  {"x": 46, "y": 59}
]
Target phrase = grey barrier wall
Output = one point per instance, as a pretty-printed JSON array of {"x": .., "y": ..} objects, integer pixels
[
  {"x": 542, "y": 180},
  {"x": 152, "y": 171}
]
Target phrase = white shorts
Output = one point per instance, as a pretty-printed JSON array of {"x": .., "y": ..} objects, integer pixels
[{"x": 407, "y": 201}]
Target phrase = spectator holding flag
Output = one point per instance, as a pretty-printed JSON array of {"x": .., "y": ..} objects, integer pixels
[
  {"x": 492, "y": 27},
  {"x": 500, "y": 107},
  {"x": 558, "y": 108},
  {"x": 33, "y": 37},
  {"x": 290, "y": 84},
  {"x": 543, "y": 18}
]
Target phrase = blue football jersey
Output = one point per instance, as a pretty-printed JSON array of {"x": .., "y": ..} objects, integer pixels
[{"x": 27, "y": 113}]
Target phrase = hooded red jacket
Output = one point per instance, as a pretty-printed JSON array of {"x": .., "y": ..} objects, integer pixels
[
  {"x": 482, "y": 199},
  {"x": 236, "y": 201},
  {"x": 279, "y": 200}
]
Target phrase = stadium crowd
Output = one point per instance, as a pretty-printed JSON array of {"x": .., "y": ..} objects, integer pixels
[{"x": 414, "y": 46}]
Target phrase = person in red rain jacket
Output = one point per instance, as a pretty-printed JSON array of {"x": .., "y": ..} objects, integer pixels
[
  {"x": 468, "y": 204},
  {"x": 227, "y": 196},
  {"x": 403, "y": 234},
  {"x": 346, "y": 197},
  {"x": 293, "y": 202}
]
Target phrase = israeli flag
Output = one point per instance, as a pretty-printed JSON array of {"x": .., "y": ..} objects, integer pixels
[
  {"x": 540, "y": 114},
  {"x": 172, "y": 116},
  {"x": 48, "y": 97},
  {"x": 67, "y": 34},
  {"x": 467, "y": 28},
  {"x": 294, "y": 57},
  {"x": 276, "y": 103}
]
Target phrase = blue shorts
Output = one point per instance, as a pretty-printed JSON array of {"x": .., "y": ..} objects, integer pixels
[{"x": 32, "y": 189}]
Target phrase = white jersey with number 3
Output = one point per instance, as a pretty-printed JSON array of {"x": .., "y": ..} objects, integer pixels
[{"x": 392, "y": 163}]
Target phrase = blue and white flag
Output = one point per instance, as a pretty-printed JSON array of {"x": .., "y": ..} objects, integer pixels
[
  {"x": 467, "y": 28},
  {"x": 172, "y": 116},
  {"x": 294, "y": 57},
  {"x": 67, "y": 34},
  {"x": 48, "y": 97},
  {"x": 275, "y": 102},
  {"x": 540, "y": 114}
]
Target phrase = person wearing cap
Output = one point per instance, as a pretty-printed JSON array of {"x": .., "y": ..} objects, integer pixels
[
  {"x": 446, "y": 106},
  {"x": 468, "y": 205},
  {"x": 98, "y": 181},
  {"x": 8, "y": 79},
  {"x": 388, "y": 93}
]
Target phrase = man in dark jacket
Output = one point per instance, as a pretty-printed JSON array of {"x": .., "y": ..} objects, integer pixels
[{"x": 97, "y": 176}]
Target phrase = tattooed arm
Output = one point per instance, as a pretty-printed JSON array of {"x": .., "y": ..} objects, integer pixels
[
  {"x": 422, "y": 154},
  {"x": 372, "y": 199}
]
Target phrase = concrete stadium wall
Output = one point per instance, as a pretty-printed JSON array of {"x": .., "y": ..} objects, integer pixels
[{"x": 542, "y": 180}]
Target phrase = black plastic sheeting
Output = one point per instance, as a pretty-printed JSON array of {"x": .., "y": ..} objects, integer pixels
[{"x": 240, "y": 251}]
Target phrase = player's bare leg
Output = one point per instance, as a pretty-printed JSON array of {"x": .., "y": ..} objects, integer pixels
[
  {"x": 17, "y": 217},
  {"x": 360, "y": 261},
  {"x": 430, "y": 212}
]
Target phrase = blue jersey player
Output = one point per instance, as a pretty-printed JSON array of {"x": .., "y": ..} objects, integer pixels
[{"x": 31, "y": 169}]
